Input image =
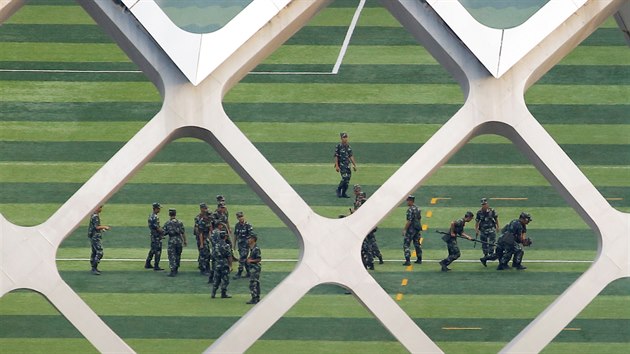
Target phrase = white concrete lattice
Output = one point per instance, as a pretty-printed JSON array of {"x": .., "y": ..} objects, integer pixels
[{"x": 193, "y": 89}]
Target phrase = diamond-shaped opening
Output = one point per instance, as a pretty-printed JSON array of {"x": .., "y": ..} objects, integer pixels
[
  {"x": 182, "y": 175},
  {"x": 388, "y": 94},
  {"x": 202, "y": 16},
  {"x": 583, "y": 103},
  {"x": 489, "y": 166},
  {"x": 327, "y": 320},
  {"x": 502, "y": 14},
  {"x": 602, "y": 327},
  {"x": 30, "y": 324},
  {"x": 70, "y": 99}
]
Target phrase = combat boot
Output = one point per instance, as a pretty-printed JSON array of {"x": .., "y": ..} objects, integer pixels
[
  {"x": 95, "y": 271},
  {"x": 502, "y": 266},
  {"x": 407, "y": 262},
  {"x": 225, "y": 295},
  {"x": 483, "y": 261},
  {"x": 380, "y": 259},
  {"x": 147, "y": 264},
  {"x": 248, "y": 275},
  {"x": 419, "y": 260},
  {"x": 172, "y": 273},
  {"x": 253, "y": 301},
  {"x": 444, "y": 266},
  {"x": 343, "y": 193},
  {"x": 214, "y": 293},
  {"x": 518, "y": 266},
  {"x": 338, "y": 192}
]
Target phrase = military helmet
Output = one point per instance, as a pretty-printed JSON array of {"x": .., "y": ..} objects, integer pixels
[
  {"x": 156, "y": 205},
  {"x": 484, "y": 201},
  {"x": 411, "y": 197},
  {"x": 469, "y": 214},
  {"x": 525, "y": 216}
]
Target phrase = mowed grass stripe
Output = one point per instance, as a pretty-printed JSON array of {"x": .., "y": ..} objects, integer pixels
[
  {"x": 79, "y": 55},
  {"x": 544, "y": 196},
  {"x": 604, "y": 134},
  {"x": 331, "y": 306},
  {"x": 53, "y": 33},
  {"x": 55, "y": 91},
  {"x": 113, "y": 111},
  {"x": 341, "y": 329},
  {"x": 51, "y": 14},
  {"x": 590, "y": 154},
  {"x": 302, "y": 112},
  {"x": 370, "y": 175}
]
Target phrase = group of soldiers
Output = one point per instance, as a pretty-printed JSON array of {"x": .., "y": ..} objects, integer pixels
[
  {"x": 509, "y": 245},
  {"x": 216, "y": 249}
]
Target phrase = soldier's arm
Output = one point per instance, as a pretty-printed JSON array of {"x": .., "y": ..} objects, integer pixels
[
  {"x": 496, "y": 221},
  {"x": 354, "y": 163},
  {"x": 452, "y": 231},
  {"x": 477, "y": 228}
]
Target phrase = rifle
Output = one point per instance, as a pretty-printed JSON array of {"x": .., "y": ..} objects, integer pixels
[{"x": 472, "y": 240}]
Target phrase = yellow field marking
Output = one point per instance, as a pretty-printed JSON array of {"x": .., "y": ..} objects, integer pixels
[
  {"x": 425, "y": 227},
  {"x": 409, "y": 268},
  {"x": 571, "y": 329},
  {"x": 462, "y": 328},
  {"x": 435, "y": 200},
  {"x": 399, "y": 296},
  {"x": 413, "y": 254},
  {"x": 508, "y": 198},
  {"x": 429, "y": 214},
  {"x": 404, "y": 282},
  {"x": 614, "y": 198},
  {"x": 421, "y": 240}
]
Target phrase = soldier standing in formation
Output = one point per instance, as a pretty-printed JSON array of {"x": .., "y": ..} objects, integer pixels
[
  {"x": 223, "y": 259},
  {"x": 343, "y": 157},
  {"x": 203, "y": 225},
  {"x": 456, "y": 230},
  {"x": 176, "y": 237},
  {"x": 486, "y": 225},
  {"x": 242, "y": 232},
  {"x": 156, "y": 235},
  {"x": 254, "y": 266},
  {"x": 95, "y": 234},
  {"x": 411, "y": 232}
]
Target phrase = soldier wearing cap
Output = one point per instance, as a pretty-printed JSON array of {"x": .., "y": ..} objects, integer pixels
[
  {"x": 156, "y": 234},
  {"x": 176, "y": 237},
  {"x": 95, "y": 234},
  {"x": 202, "y": 228},
  {"x": 216, "y": 235},
  {"x": 223, "y": 266},
  {"x": 411, "y": 231},
  {"x": 220, "y": 215},
  {"x": 242, "y": 231},
  {"x": 253, "y": 264},
  {"x": 510, "y": 244},
  {"x": 486, "y": 225},
  {"x": 456, "y": 230},
  {"x": 343, "y": 157}
]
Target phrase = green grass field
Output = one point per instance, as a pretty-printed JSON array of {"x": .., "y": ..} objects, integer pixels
[{"x": 390, "y": 96}]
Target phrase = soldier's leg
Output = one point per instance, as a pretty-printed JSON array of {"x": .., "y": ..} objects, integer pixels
[
  {"x": 254, "y": 286},
  {"x": 453, "y": 253},
  {"x": 406, "y": 249},
  {"x": 484, "y": 244},
  {"x": 508, "y": 252},
  {"x": 225, "y": 281},
  {"x": 376, "y": 252},
  {"x": 170, "y": 251},
  {"x": 518, "y": 257},
  {"x": 242, "y": 260},
  {"x": 216, "y": 280},
  {"x": 492, "y": 240},
  {"x": 98, "y": 255},
  {"x": 158, "y": 253},
  {"x": 147, "y": 263},
  {"x": 368, "y": 260},
  {"x": 418, "y": 247}
]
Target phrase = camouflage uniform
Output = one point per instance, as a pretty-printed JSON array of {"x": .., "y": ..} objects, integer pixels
[
  {"x": 175, "y": 231},
  {"x": 510, "y": 245},
  {"x": 223, "y": 259},
  {"x": 156, "y": 235},
  {"x": 487, "y": 229},
  {"x": 202, "y": 235},
  {"x": 457, "y": 229},
  {"x": 95, "y": 235},
  {"x": 214, "y": 240},
  {"x": 254, "y": 273},
  {"x": 343, "y": 152},
  {"x": 242, "y": 231},
  {"x": 412, "y": 234}
]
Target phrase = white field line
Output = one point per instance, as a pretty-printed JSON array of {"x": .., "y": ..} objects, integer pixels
[
  {"x": 335, "y": 70},
  {"x": 295, "y": 260}
]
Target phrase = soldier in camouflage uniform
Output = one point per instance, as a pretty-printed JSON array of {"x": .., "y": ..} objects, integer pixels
[
  {"x": 203, "y": 226},
  {"x": 176, "y": 237},
  {"x": 486, "y": 224},
  {"x": 95, "y": 234},
  {"x": 242, "y": 231},
  {"x": 457, "y": 229},
  {"x": 511, "y": 242},
  {"x": 223, "y": 259},
  {"x": 411, "y": 231},
  {"x": 220, "y": 215},
  {"x": 214, "y": 239},
  {"x": 343, "y": 158},
  {"x": 369, "y": 247},
  {"x": 156, "y": 234},
  {"x": 253, "y": 263}
]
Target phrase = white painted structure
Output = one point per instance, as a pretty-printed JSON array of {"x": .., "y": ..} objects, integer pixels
[{"x": 194, "y": 71}]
